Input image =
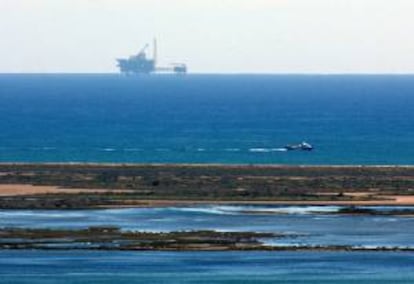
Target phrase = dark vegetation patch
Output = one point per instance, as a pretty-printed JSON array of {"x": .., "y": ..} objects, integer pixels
[
  {"x": 113, "y": 238},
  {"x": 201, "y": 182}
]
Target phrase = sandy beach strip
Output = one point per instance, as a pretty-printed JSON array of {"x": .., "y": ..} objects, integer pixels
[
  {"x": 387, "y": 201},
  {"x": 28, "y": 189}
]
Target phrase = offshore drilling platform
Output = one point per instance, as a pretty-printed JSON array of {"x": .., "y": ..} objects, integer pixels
[{"x": 141, "y": 64}]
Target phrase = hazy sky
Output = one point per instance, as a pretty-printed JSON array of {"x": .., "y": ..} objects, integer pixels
[{"x": 214, "y": 36}]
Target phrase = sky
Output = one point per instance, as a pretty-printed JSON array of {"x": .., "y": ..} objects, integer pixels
[{"x": 211, "y": 36}]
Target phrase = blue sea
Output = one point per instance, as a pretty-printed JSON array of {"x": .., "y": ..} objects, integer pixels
[
  {"x": 207, "y": 119},
  {"x": 76, "y": 267},
  {"x": 246, "y": 119}
]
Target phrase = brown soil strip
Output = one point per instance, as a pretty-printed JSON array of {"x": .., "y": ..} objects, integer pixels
[
  {"x": 27, "y": 189},
  {"x": 386, "y": 200}
]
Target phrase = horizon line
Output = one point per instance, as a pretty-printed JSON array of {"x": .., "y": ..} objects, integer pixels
[{"x": 216, "y": 73}]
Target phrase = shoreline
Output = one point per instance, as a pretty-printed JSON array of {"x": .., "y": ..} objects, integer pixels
[
  {"x": 13, "y": 190},
  {"x": 167, "y": 203},
  {"x": 222, "y": 165},
  {"x": 109, "y": 185}
]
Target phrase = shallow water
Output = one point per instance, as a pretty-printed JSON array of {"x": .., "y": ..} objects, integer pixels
[{"x": 315, "y": 225}]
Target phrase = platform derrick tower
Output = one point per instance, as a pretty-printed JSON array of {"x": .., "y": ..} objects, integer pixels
[{"x": 142, "y": 64}]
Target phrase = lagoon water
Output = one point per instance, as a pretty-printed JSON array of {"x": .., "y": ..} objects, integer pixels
[
  {"x": 207, "y": 118},
  {"x": 317, "y": 226},
  {"x": 310, "y": 225}
]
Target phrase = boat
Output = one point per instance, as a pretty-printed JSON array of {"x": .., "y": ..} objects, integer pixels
[{"x": 304, "y": 146}]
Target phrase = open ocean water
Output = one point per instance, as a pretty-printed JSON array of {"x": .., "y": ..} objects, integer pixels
[
  {"x": 207, "y": 118},
  {"x": 76, "y": 267}
]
